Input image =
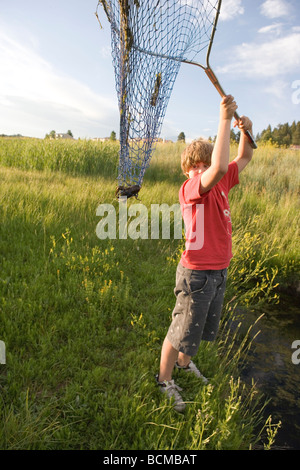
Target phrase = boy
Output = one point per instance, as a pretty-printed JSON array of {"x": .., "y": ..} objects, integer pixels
[{"x": 201, "y": 273}]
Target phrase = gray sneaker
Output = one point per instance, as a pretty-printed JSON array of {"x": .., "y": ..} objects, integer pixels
[
  {"x": 192, "y": 369},
  {"x": 172, "y": 391}
]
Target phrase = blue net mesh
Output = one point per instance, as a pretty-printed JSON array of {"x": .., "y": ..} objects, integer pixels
[{"x": 150, "y": 39}]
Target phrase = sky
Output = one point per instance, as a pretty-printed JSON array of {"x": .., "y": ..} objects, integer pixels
[{"x": 56, "y": 70}]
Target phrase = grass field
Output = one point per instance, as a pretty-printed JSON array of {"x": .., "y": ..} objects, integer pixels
[{"x": 83, "y": 319}]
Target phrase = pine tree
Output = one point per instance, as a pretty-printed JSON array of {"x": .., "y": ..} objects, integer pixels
[
  {"x": 181, "y": 137},
  {"x": 113, "y": 135},
  {"x": 296, "y": 134},
  {"x": 282, "y": 135}
]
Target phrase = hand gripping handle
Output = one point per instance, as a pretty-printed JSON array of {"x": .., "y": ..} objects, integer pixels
[{"x": 217, "y": 85}]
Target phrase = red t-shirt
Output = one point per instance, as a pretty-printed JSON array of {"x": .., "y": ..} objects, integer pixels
[{"x": 207, "y": 222}]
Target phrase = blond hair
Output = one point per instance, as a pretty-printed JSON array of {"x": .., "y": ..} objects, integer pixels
[{"x": 199, "y": 150}]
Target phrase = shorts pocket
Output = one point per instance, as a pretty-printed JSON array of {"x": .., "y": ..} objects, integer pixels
[
  {"x": 198, "y": 285},
  {"x": 222, "y": 282}
]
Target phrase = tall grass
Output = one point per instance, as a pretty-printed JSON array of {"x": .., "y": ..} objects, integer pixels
[
  {"x": 82, "y": 157},
  {"x": 83, "y": 319},
  {"x": 267, "y": 204}
]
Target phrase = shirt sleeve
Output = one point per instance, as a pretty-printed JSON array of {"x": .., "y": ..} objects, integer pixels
[
  {"x": 231, "y": 178},
  {"x": 190, "y": 191}
]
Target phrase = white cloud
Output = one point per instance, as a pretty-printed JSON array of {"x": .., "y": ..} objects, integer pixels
[
  {"x": 32, "y": 91},
  {"x": 278, "y": 88},
  {"x": 275, "y": 8},
  {"x": 230, "y": 9},
  {"x": 105, "y": 52},
  {"x": 270, "y": 59},
  {"x": 273, "y": 29}
]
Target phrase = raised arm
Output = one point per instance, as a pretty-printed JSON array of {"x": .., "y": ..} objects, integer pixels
[
  {"x": 245, "y": 151},
  {"x": 220, "y": 155}
]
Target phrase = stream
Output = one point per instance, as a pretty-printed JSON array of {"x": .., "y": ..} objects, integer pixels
[{"x": 275, "y": 369}]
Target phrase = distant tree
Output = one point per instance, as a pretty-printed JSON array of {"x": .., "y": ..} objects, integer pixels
[
  {"x": 296, "y": 134},
  {"x": 113, "y": 136},
  {"x": 70, "y": 133},
  {"x": 285, "y": 140},
  {"x": 181, "y": 137},
  {"x": 51, "y": 135},
  {"x": 282, "y": 135},
  {"x": 234, "y": 136},
  {"x": 266, "y": 134}
]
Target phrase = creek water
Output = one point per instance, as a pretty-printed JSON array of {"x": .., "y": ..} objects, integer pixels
[{"x": 273, "y": 367}]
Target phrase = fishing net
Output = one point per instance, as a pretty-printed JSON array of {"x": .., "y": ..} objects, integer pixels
[{"x": 150, "y": 39}]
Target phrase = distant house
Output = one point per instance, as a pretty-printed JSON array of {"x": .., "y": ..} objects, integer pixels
[
  {"x": 101, "y": 139},
  {"x": 295, "y": 147},
  {"x": 63, "y": 136}
]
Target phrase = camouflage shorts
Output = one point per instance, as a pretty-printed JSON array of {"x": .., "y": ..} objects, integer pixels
[{"x": 197, "y": 312}]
